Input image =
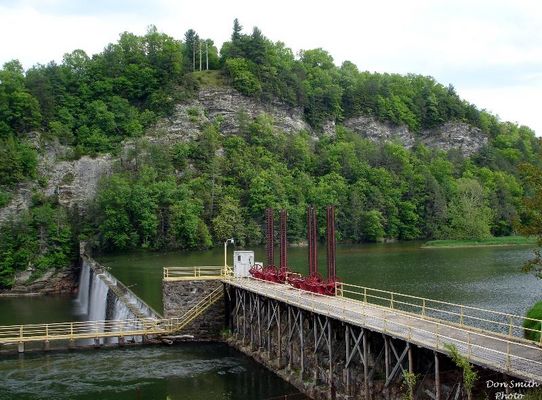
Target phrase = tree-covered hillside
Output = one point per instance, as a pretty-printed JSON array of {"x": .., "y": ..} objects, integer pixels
[{"x": 196, "y": 193}]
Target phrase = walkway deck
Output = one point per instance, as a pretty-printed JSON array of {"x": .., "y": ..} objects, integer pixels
[{"x": 509, "y": 355}]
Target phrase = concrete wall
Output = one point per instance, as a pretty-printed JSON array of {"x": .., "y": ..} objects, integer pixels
[{"x": 180, "y": 296}]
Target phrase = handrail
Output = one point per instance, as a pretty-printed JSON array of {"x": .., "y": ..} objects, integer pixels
[
  {"x": 416, "y": 334},
  {"x": 197, "y": 272},
  {"x": 424, "y": 306},
  {"x": 106, "y": 328}
]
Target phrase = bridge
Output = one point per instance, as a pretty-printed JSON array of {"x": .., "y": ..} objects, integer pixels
[
  {"x": 333, "y": 340},
  {"x": 376, "y": 329}
]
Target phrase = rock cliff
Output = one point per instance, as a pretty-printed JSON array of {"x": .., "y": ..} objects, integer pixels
[
  {"x": 451, "y": 135},
  {"x": 225, "y": 105}
]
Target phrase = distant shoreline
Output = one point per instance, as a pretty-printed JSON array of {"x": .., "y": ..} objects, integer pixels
[{"x": 489, "y": 242}]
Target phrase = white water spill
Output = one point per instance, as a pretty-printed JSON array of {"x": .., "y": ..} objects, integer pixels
[
  {"x": 81, "y": 304},
  {"x": 98, "y": 299}
]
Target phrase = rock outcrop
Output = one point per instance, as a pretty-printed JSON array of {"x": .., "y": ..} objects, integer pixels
[
  {"x": 451, "y": 135},
  {"x": 455, "y": 135},
  {"x": 370, "y": 128},
  {"x": 51, "y": 282},
  {"x": 76, "y": 182},
  {"x": 225, "y": 105}
]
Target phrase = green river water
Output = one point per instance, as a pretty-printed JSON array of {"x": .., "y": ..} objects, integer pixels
[{"x": 487, "y": 277}]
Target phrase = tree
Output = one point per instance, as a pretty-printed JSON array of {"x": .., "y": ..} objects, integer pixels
[
  {"x": 237, "y": 28},
  {"x": 470, "y": 216},
  {"x": 532, "y": 217},
  {"x": 372, "y": 227}
]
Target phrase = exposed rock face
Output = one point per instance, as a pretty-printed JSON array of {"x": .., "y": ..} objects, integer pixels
[
  {"x": 226, "y": 105},
  {"x": 377, "y": 131},
  {"x": 76, "y": 182},
  {"x": 452, "y": 135},
  {"x": 19, "y": 202},
  {"x": 51, "y": 282},
  {"x": 455, "y": 135}
]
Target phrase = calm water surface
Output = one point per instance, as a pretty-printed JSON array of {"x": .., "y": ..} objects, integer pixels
[{"x": 488, "y": 277}]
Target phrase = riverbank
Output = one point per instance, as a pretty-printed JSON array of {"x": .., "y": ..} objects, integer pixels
[
  {"x": 493, "y": 241},
  {"x": 52, "y": 282}
]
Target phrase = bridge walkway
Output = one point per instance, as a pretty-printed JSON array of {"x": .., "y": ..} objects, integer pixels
[{"x": 506, "y": 353}]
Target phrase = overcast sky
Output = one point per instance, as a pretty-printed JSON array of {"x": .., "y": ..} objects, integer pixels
[{"x": 490, "y": 50}]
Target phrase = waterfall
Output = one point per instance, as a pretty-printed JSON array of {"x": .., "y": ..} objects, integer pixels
[
  {"x": 81, "y": 305},
  {"x": 98, "y": 299}
]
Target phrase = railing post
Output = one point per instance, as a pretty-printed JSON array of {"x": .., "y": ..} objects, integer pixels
[
  {"x": 391, "y": 301},
  {"x": 365, "y": 295},
  {"x": 508, "y": 360},
  {"x": 423, "y": 307},
  {"x": 461, "y": 317},
  {"x": 510, "y": 331},
  {"x": 541, "y": 333},
  {"x": 47, "y": 332}
]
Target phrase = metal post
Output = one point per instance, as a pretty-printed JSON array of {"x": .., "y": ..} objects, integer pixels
[
  {"x": 437, "y": 377},
  {"x": 410, "y": 359},
  {"x": 283, "y": 243},
  {"x": 330, "y": 355},
  {"x": 301, "y": 354},
  {"x": 347, "y": 348},
  {"x": 279, "y": 336},
  {"x": 270, "y": 237},
  {"x": 331, "y": 246},
  {"x": 365, "y": 367}
]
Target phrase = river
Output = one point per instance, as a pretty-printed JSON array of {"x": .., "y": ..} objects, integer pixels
[{"x": 487, "y": 277}]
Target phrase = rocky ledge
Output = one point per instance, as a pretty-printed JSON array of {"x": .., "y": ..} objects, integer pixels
[
  {"x": 226, "y": 105},
  {"x": 451, "y": 135},
  {"x": 51, "y": 282}
]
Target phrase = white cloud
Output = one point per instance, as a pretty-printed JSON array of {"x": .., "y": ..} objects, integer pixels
[{"x": 490, "y": 50}]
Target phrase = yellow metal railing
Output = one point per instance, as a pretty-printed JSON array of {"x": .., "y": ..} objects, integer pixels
[
  {"x": 16, "y": 334},
  {"x": 506, "y": 354},
  {"x": 78, "y": 330},
  {"x": 506, "y": 324},
  {"x": 177, "y": 324},
  {"x": 197, "y": 273}
]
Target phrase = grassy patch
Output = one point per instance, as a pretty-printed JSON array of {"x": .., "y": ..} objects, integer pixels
[
  {"x": 5, "y": 197},
  {"x": 533, "y": 327},
  {"x": 493, "y": 241},
  {"x": 209, "y": 78}
]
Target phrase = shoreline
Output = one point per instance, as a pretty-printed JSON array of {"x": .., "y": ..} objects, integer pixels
[{"x": 502, "y": 241}]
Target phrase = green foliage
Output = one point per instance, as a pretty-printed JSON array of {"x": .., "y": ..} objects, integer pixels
[
  {"x": 469, "y": 374},
  {"x": 532, "y": 214},
  {"x": 410, "y": 380},
  {"x": 41, "y": 239},
  {"x": 149, "y": 208},
  {"x": 18, "y": 161},
  {"x": 94, "y": 103},
  {"x": 533, "y": 328},
  {"x": 470, "y": 217},
  {"x": 242, "y": 78}
]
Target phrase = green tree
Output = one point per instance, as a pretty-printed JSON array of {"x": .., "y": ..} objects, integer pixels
[{"x": 470, "y": 217}]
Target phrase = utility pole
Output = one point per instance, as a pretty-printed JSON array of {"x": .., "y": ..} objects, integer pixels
[
  {"x": 194, "y": 54},
  {"x": 207, "y": 55},
  {"x": 200, "y": 55}
]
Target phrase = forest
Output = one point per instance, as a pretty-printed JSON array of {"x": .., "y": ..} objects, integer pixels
[{"x": 195, "y": 194}]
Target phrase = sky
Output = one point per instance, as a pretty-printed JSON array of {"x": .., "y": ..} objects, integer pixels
[{"x": 489, "y": 50}]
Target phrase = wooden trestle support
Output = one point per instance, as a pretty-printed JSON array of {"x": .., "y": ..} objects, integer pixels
[{"x": 334, "y": 356}]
